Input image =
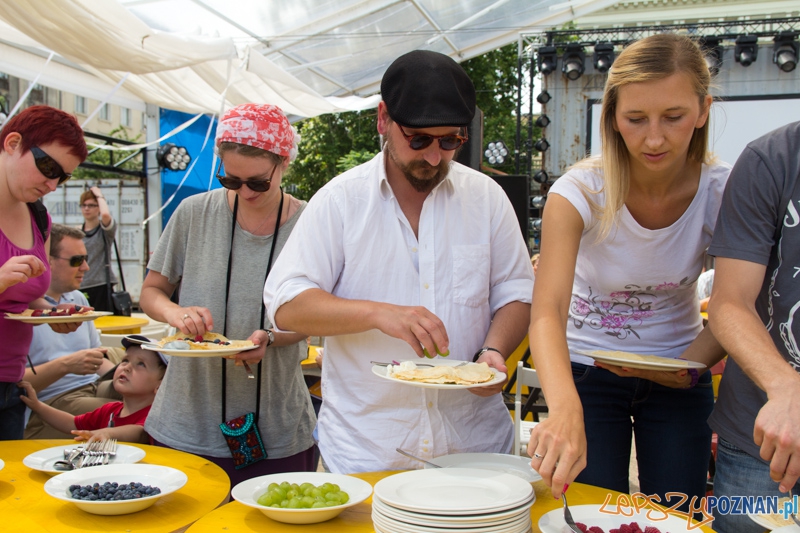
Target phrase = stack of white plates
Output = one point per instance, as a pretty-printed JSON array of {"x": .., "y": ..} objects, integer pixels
[{"x": 453, "y": 500}]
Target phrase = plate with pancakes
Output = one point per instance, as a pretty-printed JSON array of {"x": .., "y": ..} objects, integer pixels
[
  {"x": 443, "y": 374},
  {"x": 207, "y": 345}
]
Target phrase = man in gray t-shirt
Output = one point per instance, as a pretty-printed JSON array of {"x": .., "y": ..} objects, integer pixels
[{"x": 754, "y": 300}]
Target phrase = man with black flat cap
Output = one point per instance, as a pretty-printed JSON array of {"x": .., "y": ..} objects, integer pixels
[{"x": 408, "y": 255}]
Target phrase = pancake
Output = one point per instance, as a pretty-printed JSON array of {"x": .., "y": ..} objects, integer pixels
[
  {"x": 468, "y": 374},
  {"x": 208, "y": 341}
]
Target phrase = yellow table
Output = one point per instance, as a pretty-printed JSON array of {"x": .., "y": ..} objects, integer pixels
[
  {"x": 120, "y": 325},
  {"x": 24, "y": 506},
  {"x": 358, "y": 519}
]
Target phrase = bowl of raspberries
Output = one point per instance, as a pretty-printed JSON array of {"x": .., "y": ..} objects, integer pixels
[
  {"x": 611, "y": 519},
  {"x": 115, "y": 489}
]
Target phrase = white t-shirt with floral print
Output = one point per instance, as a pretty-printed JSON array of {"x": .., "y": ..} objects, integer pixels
[{"x": 635, "y": 290}]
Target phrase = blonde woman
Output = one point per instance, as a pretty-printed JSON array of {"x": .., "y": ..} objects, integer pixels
[{"x": 623, "y": 238}]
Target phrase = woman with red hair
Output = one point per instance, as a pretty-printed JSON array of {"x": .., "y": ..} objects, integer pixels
[{"x": 41, "y": 146}]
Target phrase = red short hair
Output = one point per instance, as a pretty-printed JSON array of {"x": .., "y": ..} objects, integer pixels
[{"x": 42, "y": 124}]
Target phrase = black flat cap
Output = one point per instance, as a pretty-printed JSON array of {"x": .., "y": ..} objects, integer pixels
[{"x": 424, "y": 89}]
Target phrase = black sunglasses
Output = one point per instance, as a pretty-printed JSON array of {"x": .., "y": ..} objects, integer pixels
[
  {"x": 48, "y": 166},
  {"x": 235, "y": 184},
  {"x": 420, "y": 141},
  {"x": 75, "y": 260}
]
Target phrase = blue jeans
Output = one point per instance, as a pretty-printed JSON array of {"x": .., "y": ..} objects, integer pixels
[
  {"x": 12, "y": 412},
  {"x": 673, "y": 440},
  {"x": 740, "y": 474}
]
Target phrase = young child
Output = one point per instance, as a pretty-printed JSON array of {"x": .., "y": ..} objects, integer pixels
[{"x": 136, "y": 378}]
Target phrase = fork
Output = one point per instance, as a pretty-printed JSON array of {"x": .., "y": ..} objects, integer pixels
[
  {"x": 567, "y": 514},
  {"x": 794, "y": 514},
  {"x": 109, "y": 450}
]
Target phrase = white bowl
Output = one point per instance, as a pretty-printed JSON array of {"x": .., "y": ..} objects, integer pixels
[
  {"x": 248, "y": 492},
  {"x": 165, "y": 478}
]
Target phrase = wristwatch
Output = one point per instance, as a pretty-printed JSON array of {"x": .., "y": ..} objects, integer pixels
[
  {"x": 483, "y": 350},
  {"x": 270, "y": 337}
]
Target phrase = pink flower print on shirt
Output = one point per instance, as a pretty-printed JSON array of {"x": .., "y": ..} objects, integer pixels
[{"x": 621, "y": 312}]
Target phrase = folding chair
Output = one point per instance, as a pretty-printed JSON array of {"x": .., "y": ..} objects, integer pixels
[{"x": 526, "y": 377}]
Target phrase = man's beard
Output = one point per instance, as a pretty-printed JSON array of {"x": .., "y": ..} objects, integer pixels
[{"x": 431, "y": 175}]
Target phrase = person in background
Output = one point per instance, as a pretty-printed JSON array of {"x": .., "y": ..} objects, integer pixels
[
  {"x": 64, "y": 369},
  {"x": 136, "y": 379},
  {"x": 41, "y": 146},
  {"x": 409, "y": 254},
  {"x": 535, "y": 263},
  {"x": 623, "y": 241},
  {"x": 753, "y": 305},
  {"x": 100, "y": 229},
  {"x": 219, "y": 246}
]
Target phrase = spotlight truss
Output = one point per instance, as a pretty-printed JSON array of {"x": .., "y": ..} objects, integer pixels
[
  {"x": 572, "y": 62},
  {"x": 173, "y": 157},
  {"x": 746, "y": 50},
  {"x": 547, "y": 57},
  {"x": 603, "y": 56},
  {"x": 786, "y": 51}
]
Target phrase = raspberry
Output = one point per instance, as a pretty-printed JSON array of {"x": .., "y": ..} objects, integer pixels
[
  {"x": 651, "y": 529},
  {"x": 595, "y": 529},
  {"x": 198, "y": 338},
  {"x": 581, "y": 526}
]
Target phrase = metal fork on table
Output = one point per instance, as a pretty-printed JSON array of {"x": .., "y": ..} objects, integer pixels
[
  {"x": 109, "y": 450},
  {"x": 567, "y": 514}
]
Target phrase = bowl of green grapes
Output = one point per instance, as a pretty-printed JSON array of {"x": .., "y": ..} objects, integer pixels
[{"x": 302, "y": 497}]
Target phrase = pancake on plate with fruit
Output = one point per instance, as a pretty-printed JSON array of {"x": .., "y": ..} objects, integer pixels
[
  {"x": 72, "y": 310},
  {"x": 206, "y": 341},
  {"x": 468, "y": 374}
]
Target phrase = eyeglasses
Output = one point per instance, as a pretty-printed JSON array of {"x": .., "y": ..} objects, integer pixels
[
  {"x": 88, "y": 206},
  {"x": 75, "y": 260},
  {"x": 235, "y": 184},
  {"x": 420, "y": 141},
  {"x": 48, "y": 166}
]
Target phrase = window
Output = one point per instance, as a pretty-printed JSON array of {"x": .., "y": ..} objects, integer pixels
[
  {"x": 125, "y": 116},
  {"x": 103, "y": 114},
  {"x": 80, "y": 105}
]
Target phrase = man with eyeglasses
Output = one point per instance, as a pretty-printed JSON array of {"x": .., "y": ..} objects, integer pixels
[
  {"x": 65, "y": 368},
  {"x": 410, "y": 254}
]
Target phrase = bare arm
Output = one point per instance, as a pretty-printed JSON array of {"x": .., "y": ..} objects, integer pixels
[
  {"x": 83, "y": 362},
  {"x": 60, "y": 420},
  {"x": 506, "y": 332},
  {"x": 735, "y": 322},
  {"x": 560, "y": 439},
  {"x": 126, "y": 433},
  {"x": 105, "y": 214},
  {"x": 316, "y": 312}
]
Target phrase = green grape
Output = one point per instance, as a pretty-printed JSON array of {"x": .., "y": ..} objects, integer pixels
[
  {"x": 285, "y": 485},
  {"x": 265, "y": 500},
  {"x": 326, "y": 488},
  {"x": 305, "y": 486},
  {"x": 318, "y": 505},
  {"x": 307, "y": 502},
  {"x": 335, "y": 487},
  {"x": 294, "y": 503},
  {"x": 285, "y": 504},
  {"x": 304, "y": 496},
  {"x": 291, "y": 493},
  {"x": 272, "y": 486},
  {"x": 344, "y": 497},
  {"x": 316, "y": 492}
]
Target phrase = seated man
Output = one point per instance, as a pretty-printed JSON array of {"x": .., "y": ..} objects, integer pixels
[{"x": 65, "y": 368}]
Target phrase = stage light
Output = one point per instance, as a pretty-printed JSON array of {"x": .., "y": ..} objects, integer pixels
[
  {"x": 496, "y": 153},
  {"x": 786, "y": 51},
  {"x": 603, "y": 56},
  {"x": 536, "y": 225},
  {"x": 541, "y": 145},
  {"x": 543, "y": 97},
  {"x": 746, "y": 50},
  {"x": 172, "y": 157},
  {"x": 541, "y": 176},
  {"x": 573, "y": 61},
  {"x": 713, "y": 53},
  {"x": 537, "y": 202},
  {"x": 543, "y": 121},
  {"x": 546, "y": 59}
]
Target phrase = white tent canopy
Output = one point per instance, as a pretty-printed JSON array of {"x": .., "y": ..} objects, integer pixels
[{"x": 307, "y": 56}]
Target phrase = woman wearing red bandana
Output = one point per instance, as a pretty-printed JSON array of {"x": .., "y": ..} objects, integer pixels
[{"x": 219, "y": 246}]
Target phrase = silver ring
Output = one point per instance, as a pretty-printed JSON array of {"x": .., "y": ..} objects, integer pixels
[
  {"x": 537, "y": 456},
  {"x": 186, "y": 316}
]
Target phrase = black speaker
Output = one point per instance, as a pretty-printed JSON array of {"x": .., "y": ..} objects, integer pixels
[
  {"x": 517, "y": 189},
  {"x": 471, "y": 152}
]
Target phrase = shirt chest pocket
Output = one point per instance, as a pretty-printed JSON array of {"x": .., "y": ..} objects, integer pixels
[{"x": 471, "y": 269}]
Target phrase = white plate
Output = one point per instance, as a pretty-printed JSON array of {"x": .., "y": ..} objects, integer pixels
[
  {"x": 134, "y": 340},
  {"x": 453, "y": 491},
  {"x": 199, "y": 353},
  {"x": 590, "y": 515},
  {"x": 773, "y": 522},
  {"x": 497, "y": 462},
  {"x": 43, "y": 459},
  {"x": 164, "y": 477},
  {"x": 454, "y": 520},
  {"x": 58, "y": 319},
  {"x": 794, "y": 528},
  {"x": 2, "y": 464},
  {"x": 520, "y": 525},
  {"x": 653, "y": 362},
  {"x": 247, "y": 493},
  {"x": 380, "y": 371}
]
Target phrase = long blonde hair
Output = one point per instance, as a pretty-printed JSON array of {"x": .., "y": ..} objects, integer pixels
[{"x": 652, "y": 58}]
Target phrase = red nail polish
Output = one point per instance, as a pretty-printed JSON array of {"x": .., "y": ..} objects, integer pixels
[{"x": 566, "y": 486}]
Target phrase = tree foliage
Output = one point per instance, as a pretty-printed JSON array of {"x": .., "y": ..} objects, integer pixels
[{"x": 333, "y": 143}]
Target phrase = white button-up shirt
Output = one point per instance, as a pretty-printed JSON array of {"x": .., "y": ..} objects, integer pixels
[{"x": 354, "y": 242}]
